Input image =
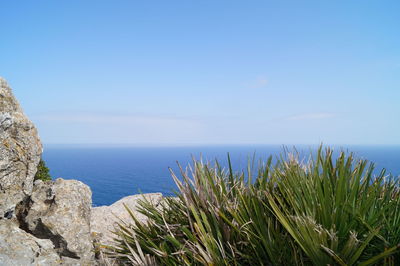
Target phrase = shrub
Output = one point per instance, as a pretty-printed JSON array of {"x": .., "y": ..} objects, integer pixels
[
  {"x": 324, "y": 212},
  {"x": 42, "y": 172}
]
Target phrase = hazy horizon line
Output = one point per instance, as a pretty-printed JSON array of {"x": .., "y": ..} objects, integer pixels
[{"x": 172, "y": 145}]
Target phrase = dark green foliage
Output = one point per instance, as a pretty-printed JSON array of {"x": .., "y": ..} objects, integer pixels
[
  {"x": 42, "y": 172},
  {"x": 324, "y": 212}
]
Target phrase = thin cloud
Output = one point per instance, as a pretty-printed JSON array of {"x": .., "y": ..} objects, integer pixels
[
  {"x": 259, "y": 82},
  {"x": 114, "y": 128},
  {"x": 101, "y": 118},
  {"x": 137, "y": 122},
  {"x": 311, "y": 116}
]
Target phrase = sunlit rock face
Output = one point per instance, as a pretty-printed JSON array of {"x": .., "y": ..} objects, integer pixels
[
  {"x": 17, "y": 247},
  {"x": 60, "y": 210},
  {"x": 41, "y": 223},
  {"x": 20, "y": 151},
  {"x": 48, "y": 222},
  {"x": 105, "y": 219}
]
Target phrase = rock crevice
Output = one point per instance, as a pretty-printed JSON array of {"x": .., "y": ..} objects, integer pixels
[
  {"x": 40, "y": 230},
  {"x": 60, "y": 211}
]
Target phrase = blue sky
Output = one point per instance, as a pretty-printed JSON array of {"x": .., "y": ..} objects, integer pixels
[{"x": 205, "y": 72}]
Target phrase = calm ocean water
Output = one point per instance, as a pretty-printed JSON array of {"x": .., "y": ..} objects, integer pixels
[{"x": 113, "y": 173}]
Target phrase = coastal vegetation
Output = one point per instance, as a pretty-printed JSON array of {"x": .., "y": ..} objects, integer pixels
[
  {"x": 43, "y": 172},
  {"x": 328, "y": 210}
]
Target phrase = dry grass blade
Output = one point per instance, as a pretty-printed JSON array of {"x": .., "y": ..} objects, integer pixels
[{"x": 328, "y": 210}]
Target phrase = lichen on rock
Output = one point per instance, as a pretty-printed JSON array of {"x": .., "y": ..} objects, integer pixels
[
  {"x": 60, "y": 211},
  {"x": 17, "y": 247},
  {"x": 43, "y": 224},
  {"x": 20, "y": 150}
]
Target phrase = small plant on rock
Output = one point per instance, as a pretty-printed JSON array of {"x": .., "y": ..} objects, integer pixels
[{"x": 42, "y": 172}]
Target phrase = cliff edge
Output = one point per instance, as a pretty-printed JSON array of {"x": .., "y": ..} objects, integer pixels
[
  {"x": 20, "y": 151},
  {"x": 47, "y": 222},
  {"x": 41, "y": 223}
]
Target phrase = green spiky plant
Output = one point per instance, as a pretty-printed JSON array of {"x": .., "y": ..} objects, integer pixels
[{"x": 324, "y": 212}]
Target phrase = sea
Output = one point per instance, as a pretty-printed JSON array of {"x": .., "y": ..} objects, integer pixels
[{"x": 116, "y": 172}]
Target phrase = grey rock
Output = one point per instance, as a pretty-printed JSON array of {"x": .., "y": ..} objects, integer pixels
[
  {"x": 41, "y": 223},
  {"x": 17, "y": 247},
  {"x": 67, "y": 261},
  {"x": 20, "y": 151},
  {"x": 60, "y": 210},
  {"x": 104, "y": 219}
]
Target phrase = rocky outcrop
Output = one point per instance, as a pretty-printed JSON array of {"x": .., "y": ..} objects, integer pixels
[
  {"x": 20, "y": 248},
  {"x": 43, "y": 224},
  {"x": 20, "y": 151},
  {"x": 104, "y": 219},
  {"x": 52, "y": 222},
  {"x": 60, "y": 211}
]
